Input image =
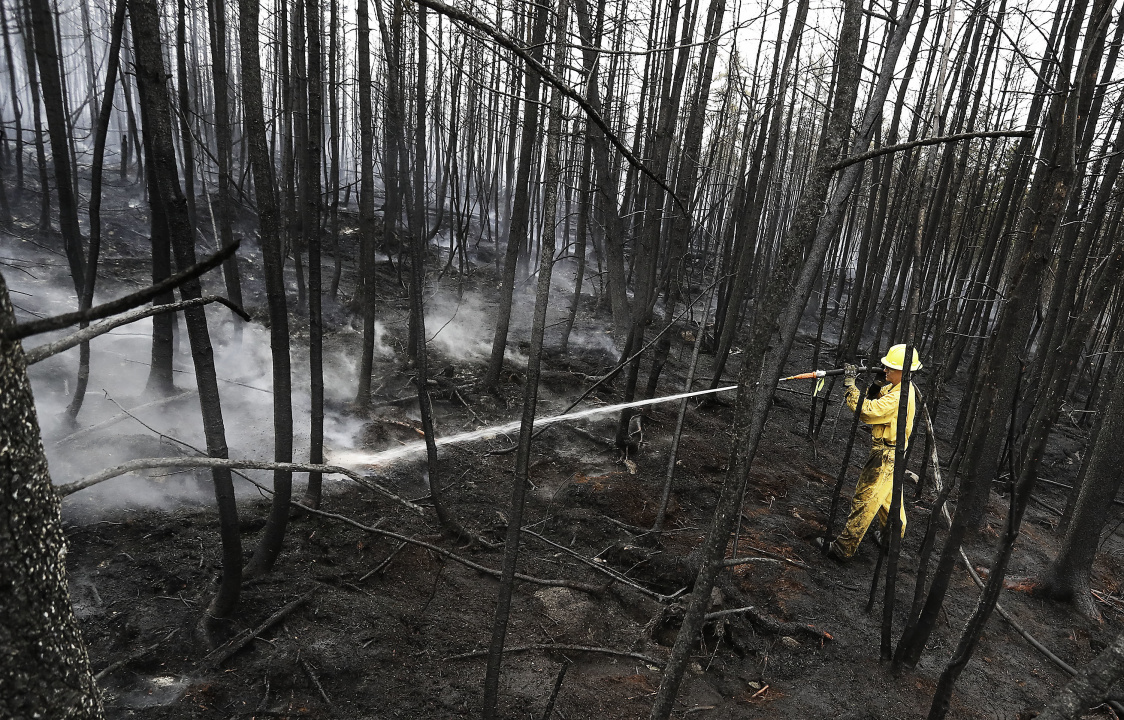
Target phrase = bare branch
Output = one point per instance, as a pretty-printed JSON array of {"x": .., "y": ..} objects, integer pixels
[
  {"x": 563, "y": 648},
  {"x": 120, "y": 305},
  {"x": 876, "y": 152},
  {"x": 46, "y": 350},
  {"x": 514, "y": 46},
  {"x": 210, "y": 462}
]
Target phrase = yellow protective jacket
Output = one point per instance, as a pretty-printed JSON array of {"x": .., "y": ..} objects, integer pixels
[{"x": 881, "y": 413}]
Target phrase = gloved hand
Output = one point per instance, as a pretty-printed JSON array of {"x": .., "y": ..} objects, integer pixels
[{"x": 850, "y": 372}]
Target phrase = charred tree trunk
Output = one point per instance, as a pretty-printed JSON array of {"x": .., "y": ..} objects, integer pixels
[
  {"x": 521, "y": 210},
  {"x": 46, "y": 671},
  {"x": 531, "y": 384},
  {"x": 187, "y": 143},
  {"x": 217, "y": 9},
  {"x": 151, "y": 76},
  {"x": 1067, "y": 578},
  {"x": 274, "y": 259},
  {"x": 366, "y": 287},
  {"x": 312, "y": 241},
  {"x": 50, "y": 79},
  {"x": 37, "y": 119},
  {"x": 16, "y": 105},
  {"x": 101, "y": 130}
]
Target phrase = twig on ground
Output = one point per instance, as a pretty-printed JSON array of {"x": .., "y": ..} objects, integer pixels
[
  {"x": 769, "y": 554},
  {"x": 315, "y": 680},
  {"x": 770, "y": 625},
  {"x": 604, "y": 569},
  {"x": 734, "y": 562},
  {"x": 595, "y": 590},
  {"x": 562, "y": 648},
  {"x": 221, "y": 654},
  {"x": 554, "y": 693},
  {"x": 137, "y": 655},
  {"x": 381, "y": 566}
]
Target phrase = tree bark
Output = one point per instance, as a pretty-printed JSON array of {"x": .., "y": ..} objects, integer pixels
[
  {"x": 253, "y": 117},
  {"x": 154, "y": 96},
  {"x": 50, "y": 79},
  {"x": 521, "y": 209},
  {"x": 46, "y": 671},
  {"x": 531, "y": 384},
  {"x": 1090, "y": 687}
]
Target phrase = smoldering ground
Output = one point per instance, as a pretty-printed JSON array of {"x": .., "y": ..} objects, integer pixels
[{"x": 121, "y": 421}]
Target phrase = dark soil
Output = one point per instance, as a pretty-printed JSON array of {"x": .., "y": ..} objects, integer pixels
[{"x": 404, "y": 641}]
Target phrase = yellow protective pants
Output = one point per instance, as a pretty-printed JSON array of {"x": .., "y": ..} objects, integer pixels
[{"x": 872, "y": 497}]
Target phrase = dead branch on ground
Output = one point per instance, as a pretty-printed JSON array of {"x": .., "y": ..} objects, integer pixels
[
  {"x": 220, "y": 655},
  {"x": 563, "y": 648}
]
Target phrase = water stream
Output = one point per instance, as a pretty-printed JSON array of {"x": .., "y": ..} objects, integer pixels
[{"x": 362, "y": 458}]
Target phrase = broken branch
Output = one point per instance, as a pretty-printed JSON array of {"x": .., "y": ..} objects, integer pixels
[
  {"x": 122, "y": 304},
  {"x": 210, "y": 462},
  {"x": 562, "y": 648},
  {"x": 137, "y": 655},
  {"x": 574, "y": 585},
  {"x": 46, "y": 350},
  {"x": 886, "y": 150},
  {"x": 220, "y": 655}
]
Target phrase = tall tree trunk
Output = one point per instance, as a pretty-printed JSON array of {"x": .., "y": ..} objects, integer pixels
[
  {"x": 521, "y": 210},
  {"x": 164, "y": 326},
  {"x": 186, "y": 111},
  {"x": 16, "y": 105},
  {"x": 366, "y": 205},
  {"x": 46, "y": 671},
  {"x": 531, "y": 384},
  {"x": 269, "y": 232},
  {"x": 312, "y": 240},
  {"x": 1067, "y": 578},
  {"x": 101, "y": 130},
  {"x": 37, "y": 118},
  {"x": 151, "y": 76},
  {"x": 217, "y": 10},
  {"x": 50, "y": 79}
]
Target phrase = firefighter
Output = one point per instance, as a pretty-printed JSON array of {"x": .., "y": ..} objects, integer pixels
[{"x": 875, "y": 487}]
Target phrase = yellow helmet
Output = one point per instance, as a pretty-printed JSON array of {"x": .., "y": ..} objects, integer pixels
[{"x": 895, "y": 359}]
